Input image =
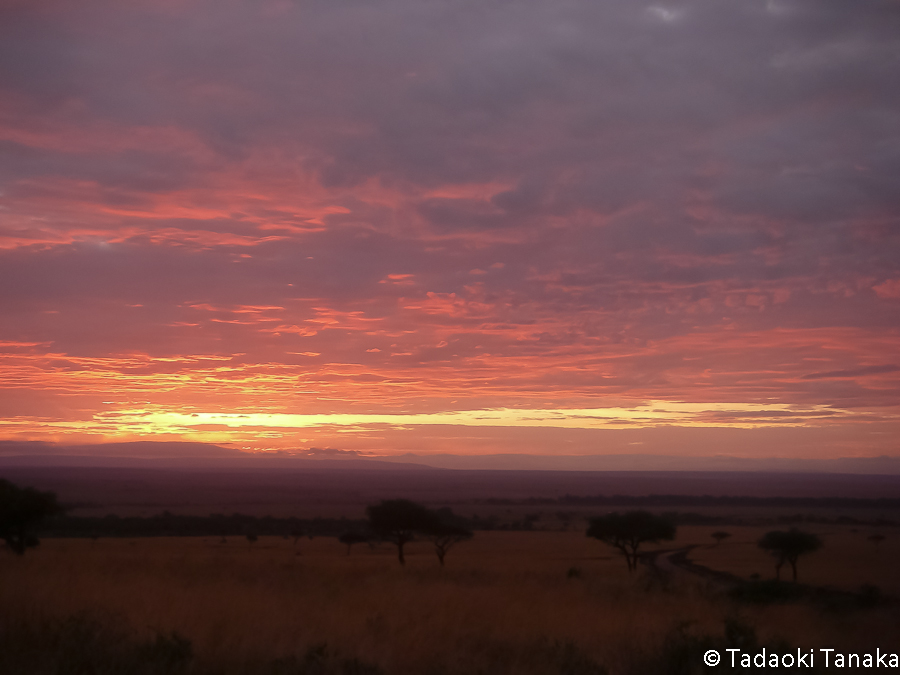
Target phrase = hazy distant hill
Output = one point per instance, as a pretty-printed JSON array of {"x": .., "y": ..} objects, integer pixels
[{"x": 200, "y": 455}]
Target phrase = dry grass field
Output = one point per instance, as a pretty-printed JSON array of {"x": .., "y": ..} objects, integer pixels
[
  {"x": 847, "y": 561},
  {"x": 507, "y": 602}
]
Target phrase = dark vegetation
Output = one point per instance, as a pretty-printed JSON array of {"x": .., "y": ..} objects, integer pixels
[
  {"x": 98, "y": 644},
  {"x": 446, "y": 530},
  {"x": 353, "y": 537},
  {"x": 681, "y": 647},
  {"x": 22, "y": 510},
  {"x": 720, "y": 536},
  {"x": 167, "y": 524},
  {"x": 400, "y": 521},
  {"x": 777, "y": 592},
  {"x": 788, "y": 546},
  {"x": 628, "y": 531},
  {"x": 694, "y": 501},
  {"x": 217, "y": 525},
  {"x": 90, "y": 643}
]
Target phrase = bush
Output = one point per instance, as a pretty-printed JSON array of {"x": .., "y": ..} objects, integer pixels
[
  {"x": 318, "y": 660},
  {"x": 568, "y": 659},
  {"x": 98, "y": 644},
  {"x": 682, "y": 651},
  {"x": 628, "y": 531},
  {"x": 573, "y": 573},
  {"x": 766, "y": 592},
  {"x": 89, "y": 644}
]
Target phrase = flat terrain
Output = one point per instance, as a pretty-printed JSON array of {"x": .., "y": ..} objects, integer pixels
[
  {"x": 507, "y": 602},
  {"x": 331, "y": 492},
  {"x": 534, "y": 596},
  {"x": 847, "y": 561}
]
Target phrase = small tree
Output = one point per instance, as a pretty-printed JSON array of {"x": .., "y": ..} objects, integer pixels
[
  {"x": 628, "y": 531},
  {"x": 788, "y": 546},
  {"x": 446, "y": 536},
  {"x": 350, "y": 538},
  {"x": 720, "y": 536},
  {"x": 446, "y": 531},
  {"x": 398, "y": 521},
  {"x": 252, "y": 537},
  {"x": 876, "y": 538},
  {"x": 296, "y": 534},
  {"x": 21, "y": 510}
]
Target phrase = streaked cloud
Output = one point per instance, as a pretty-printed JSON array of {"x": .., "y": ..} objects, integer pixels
[{"x": 336, "y": 213}]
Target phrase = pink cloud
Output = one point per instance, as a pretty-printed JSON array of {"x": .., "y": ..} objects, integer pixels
[{"x": 888, "y": 290}]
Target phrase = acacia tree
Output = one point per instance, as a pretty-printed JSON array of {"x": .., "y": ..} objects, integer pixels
[
  {"x": 627, "y": 531},
  {"x": 21, "y": 509},
  {"x": 350, "y": 538},
  {"x": 399, "y": 521},
  {"x": 788, "y": 546},
  {"x": 296, "y": 533},
  {"x": 720, "y": 536},
  {"x": 446, "y": 531}
]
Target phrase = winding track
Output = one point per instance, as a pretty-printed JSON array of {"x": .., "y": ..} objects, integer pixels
[{"x": 669, "y": 560}]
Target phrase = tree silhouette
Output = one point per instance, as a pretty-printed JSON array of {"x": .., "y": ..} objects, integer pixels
[
  {"x": 876, "y": 538},
  {"x": 788, "y": 546},
  {"x": 21, "y": 509},
  {"x": 720, "y": 536},
  {"x": 627, "y": 531},
  {"x": 446, "y": 531},
  {"x": 350, "y": 538},
  {"x": 398, "y": 521},
  {"x": 296, "y": 533}
]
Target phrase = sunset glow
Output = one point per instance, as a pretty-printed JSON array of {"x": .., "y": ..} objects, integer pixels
[{"x": 426, "y": 227}]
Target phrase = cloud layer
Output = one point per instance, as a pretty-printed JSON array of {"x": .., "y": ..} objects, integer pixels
[{"x": 428, "y": 208}]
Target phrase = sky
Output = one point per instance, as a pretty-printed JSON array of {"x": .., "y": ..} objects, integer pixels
[{"x": 449, "y": 226}]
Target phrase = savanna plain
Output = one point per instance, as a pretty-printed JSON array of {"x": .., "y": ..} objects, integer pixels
[{"x": 532, "y": 602}]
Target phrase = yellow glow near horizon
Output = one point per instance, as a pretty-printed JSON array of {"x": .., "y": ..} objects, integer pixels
[{"x": 652, "y": 414}]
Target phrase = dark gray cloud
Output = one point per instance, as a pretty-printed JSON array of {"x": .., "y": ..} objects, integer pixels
[{"x": 856, "y": 372}]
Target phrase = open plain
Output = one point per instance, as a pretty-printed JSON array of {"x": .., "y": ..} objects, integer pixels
[{"x": 547, "y": 600}]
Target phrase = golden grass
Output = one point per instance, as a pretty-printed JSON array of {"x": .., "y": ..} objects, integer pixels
[
  {"x": 500, "y": 595},
  {"x": 847, "y": 560}
]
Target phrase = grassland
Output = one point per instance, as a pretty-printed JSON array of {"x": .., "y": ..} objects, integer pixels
[
  {"x": 848, "y": 561},
  {"x": 507, "y": 602}
]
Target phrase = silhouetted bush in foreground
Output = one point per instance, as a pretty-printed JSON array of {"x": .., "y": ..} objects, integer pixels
[
  {"x": 96, "y": 644},
  {"x": 22, "y": 510},
  {"x": 101, "y": 644},
  {"x": 89, "y": 644},
  {"x": 217, "y": 525},
  {"x": 683, "y": 649},
  {"x": 767, "y": 592}
]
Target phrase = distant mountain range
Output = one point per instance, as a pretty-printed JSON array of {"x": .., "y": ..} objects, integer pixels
[{"x": 199, "y": 455}]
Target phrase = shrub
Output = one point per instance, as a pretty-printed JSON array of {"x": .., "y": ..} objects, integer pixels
[{"x": 92, "y": 644}]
